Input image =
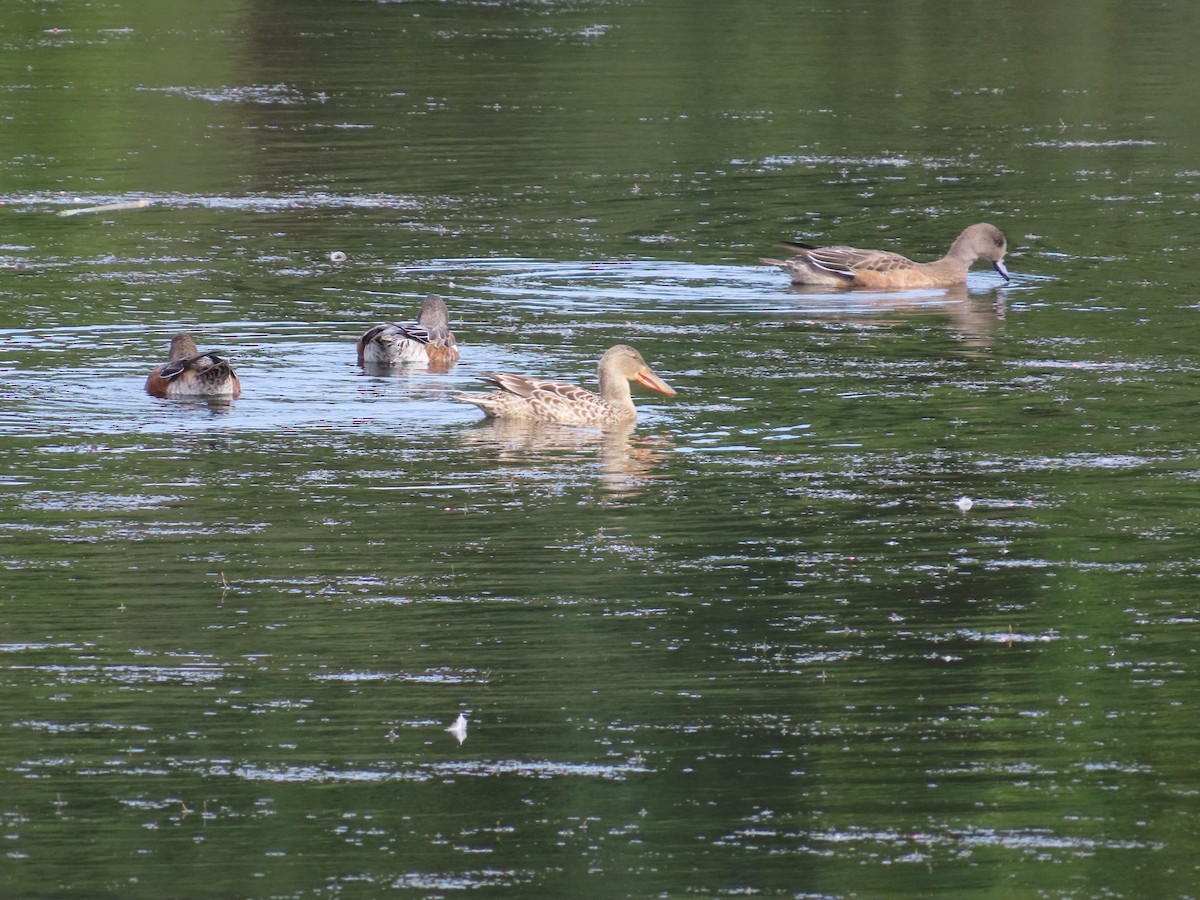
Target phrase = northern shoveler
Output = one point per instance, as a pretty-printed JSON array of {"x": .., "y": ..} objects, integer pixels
[
  {"x": 190, "y": 373},
  {"x": 521, "y": 397},
  {"x": 851, "y": 267},
  {"x": 429, "y": 341}
]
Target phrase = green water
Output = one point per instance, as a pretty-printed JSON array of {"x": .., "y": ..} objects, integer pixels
[{"x": 751, "y": 647}]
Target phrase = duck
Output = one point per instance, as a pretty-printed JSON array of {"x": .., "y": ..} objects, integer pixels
[
  {"x": 429, "y": 341},
  {"x": 190, "y": 373},
  {"x": 521, "y": 397},
  {"x": 881, "y": 269}
]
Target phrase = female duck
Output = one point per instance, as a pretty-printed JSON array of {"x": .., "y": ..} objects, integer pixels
[
  {"x": 429, "y": 341},
  {"x": 190, "y": 373},
  {"x": 880, "y": 269},
  {"x": 521, "y": 397}
]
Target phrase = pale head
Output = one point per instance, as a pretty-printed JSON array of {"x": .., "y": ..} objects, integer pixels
[
  {"x": 983, "y": 241},
  {"x": 625, "y": 362}
]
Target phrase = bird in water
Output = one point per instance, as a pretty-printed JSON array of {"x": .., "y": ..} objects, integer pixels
[
  {"x": 881, "y": 269},
  {"x": 190, "y": 373},
  {"x": 429, "y": 341},
  {"x": 522, "y": 397}
]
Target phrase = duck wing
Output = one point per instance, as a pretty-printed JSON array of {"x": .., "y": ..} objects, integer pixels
[
  {"x": 433, "y": 335},
  {"x": 550, "y": 401},
  {"x": 201, "y": 363},
  {"x": 846, "y": 262},
  {"x": 521, "y": 385}
]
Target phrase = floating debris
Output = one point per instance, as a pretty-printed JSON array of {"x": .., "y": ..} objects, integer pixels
[
  {"x": 107, "y": 207},
  {"x": 337, "y": 256},
  {"x": 459, "y": 728},
  {"x": 964, "y": 503}
]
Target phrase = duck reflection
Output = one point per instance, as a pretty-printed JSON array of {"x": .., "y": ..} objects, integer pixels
[
  {"x": 974, "y": 317},
  {"x": 215, "y": 405},
  {"x": 426, "y": 384},
  {"x": 626, "y": 459},
  {"x": 977, "y": 319}
]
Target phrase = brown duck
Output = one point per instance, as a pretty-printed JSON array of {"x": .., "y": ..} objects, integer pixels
[
  {"x": 880, "y": 269},
  {"x": 521, "y": 397},
  {"x": 190, "y": 373}
]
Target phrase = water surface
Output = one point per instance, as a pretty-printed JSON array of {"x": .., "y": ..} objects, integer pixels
[{"x": 758, "y": 644}]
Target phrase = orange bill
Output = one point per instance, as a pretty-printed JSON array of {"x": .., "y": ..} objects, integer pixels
[{"x": 646, "y": 378}]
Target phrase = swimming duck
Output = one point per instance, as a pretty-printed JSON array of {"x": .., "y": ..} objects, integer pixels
[
  {"x": 851, "y": 267},
  {"x": 521, "y": 397},
  {"x": 428, "y": 341},
  {"x": 190, "y": 373}
]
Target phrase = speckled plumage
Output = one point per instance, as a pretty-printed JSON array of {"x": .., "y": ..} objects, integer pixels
[
  {"x": 521, "y": 397},
  {"x": 429, "y": 341},
  {"x": 881, "y": 269},
  {"x": 189, "y": 373}
]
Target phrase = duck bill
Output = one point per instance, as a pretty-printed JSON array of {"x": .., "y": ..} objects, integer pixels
[
  {"x": 646, "y": 378},
  {"x": 999, "y": 267}
]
